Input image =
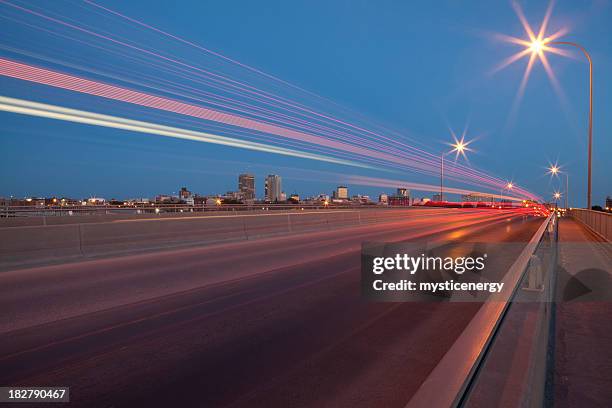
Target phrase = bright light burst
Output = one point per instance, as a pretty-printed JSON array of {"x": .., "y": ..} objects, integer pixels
[
  {"x": 460, "y": 145},
  {"x": 536, "y": 45},
  {"x": 553, "y": 170}
]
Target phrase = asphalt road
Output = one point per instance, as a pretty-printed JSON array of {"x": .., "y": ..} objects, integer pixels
[{"x": 271, "y": 322}]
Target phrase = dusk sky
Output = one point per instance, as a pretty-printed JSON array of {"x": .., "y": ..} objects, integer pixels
[{"x": 408, "y": 70}]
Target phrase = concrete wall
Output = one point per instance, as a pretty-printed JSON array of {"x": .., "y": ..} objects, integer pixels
[{"x": 100, "y": 235}]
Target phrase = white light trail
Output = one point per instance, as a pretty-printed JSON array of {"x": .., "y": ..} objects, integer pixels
[{"x": 43, "y": 110}]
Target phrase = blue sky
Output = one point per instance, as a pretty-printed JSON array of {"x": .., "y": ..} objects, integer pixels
[{"x": 417, "y": 67}]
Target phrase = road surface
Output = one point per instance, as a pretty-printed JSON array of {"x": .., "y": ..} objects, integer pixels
[{"x": 272, "y": 322}]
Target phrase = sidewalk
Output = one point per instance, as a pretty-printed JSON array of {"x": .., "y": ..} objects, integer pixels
[{"x": 583, "y": 338}]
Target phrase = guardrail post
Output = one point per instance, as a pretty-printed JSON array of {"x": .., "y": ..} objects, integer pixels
[{"x": 535, "y": 281}]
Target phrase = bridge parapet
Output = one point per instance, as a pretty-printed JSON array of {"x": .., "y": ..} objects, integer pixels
[{"x": 598, "y": 221}]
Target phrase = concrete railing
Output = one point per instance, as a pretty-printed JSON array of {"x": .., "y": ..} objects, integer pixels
[
  {"x": 38, "y": 243},
  {"x": 450, "y": 382},
  {"x": 598, "y": 221}
]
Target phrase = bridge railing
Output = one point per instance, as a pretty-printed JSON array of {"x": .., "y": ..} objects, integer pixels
[
  {"x": 598, "y": 221},
  {"x": 157, "y": 208},
  {"x": 501, "y": 358}
]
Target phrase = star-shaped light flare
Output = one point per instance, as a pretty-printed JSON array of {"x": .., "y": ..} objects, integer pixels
[{"x": 535, "y": 46}]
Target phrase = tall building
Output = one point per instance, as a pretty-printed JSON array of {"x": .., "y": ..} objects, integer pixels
[
  {"x": 273, "y": 188},
  {"x": 402, "y": 192},
  {"x": 184, "y": 193},
  {"x": 246, "y": 186},
  {"x": 341, "y": 193}
]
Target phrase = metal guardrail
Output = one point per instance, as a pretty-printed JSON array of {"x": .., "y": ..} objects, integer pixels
[
  {"x": 142, "y": 208},
  {"x": 450, "y": 382},
  {"x": 598, "y": 221}
]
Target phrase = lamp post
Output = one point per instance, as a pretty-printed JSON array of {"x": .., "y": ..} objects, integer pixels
[
  {"x": 566, "y": 190},
  {"x": 588, "y": 57},
  {"x": 459, "y": 147},
  {"x": 538, "y": 46},
  {"x": 507, "y": 186},
  {"x": 557, "y": 195}
]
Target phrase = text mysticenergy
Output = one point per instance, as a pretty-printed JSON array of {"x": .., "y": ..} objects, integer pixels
[{"x": 404, "y": 284}]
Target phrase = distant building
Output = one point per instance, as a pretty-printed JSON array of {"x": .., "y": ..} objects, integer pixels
[
  {"x": 294, "y": 197},
  {"x": 283, "y": 196},
  {"x": 402, "y": 198},
  {"x": 436, "y": 197},
  {"x": 246, "y": 186},
  {"x": 475, "y": 198},
  {"x": 96, "y": 201},
  {"x": 383, "y": 199},
  {"x": 37, "y": 201},
  {"x": 421, "y": 201},
  {"x": 341, "y": 193},
  {"x": 199, "y": 200},
  {"x": 399, "y": 201},
  {"x": 608, "y": 203},
  {"x": 273, "y": 188},
  {"x": 184, "y": 194},
  {"x": 361, "y": 199},
  {"x": 167, "y": 199}
]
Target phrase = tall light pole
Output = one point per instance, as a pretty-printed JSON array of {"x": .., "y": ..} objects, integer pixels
[
  {"x": 566, "y": 190},
  {"x": 590, "y": 167},
  {"x": 507, "y": 186},
  {"x": 557, "y": 195},
  {"x": 459, "y": 147},
  {"x": 538, "y": 46}
]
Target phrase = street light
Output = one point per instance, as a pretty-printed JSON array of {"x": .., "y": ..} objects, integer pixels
[
  {"x": 536, "y": 46},
  {"x": 508, "y": 186},
  {"x": 554, "y": 170},
  {"x": 459, "y": 147},
  {"x": 557, "y": 195},
  {"x": 539, "y": 46}
]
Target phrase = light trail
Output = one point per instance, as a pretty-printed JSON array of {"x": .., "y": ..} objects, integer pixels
[
  {"x": 264, "y": 116},
  {"x": 47, "y": 77},
  {"x": 379, "y": 182},
  {"x": 43, "y": 110},
  {"x": 69, "y": 82},
  {"x": 422, "y": 161}
]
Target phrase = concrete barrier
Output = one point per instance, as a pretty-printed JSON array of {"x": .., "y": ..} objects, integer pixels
[
  {"x": 31, "y": 243},
  {"x": 124, "y": 234},
  {"x": 598, "y": 221}
]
